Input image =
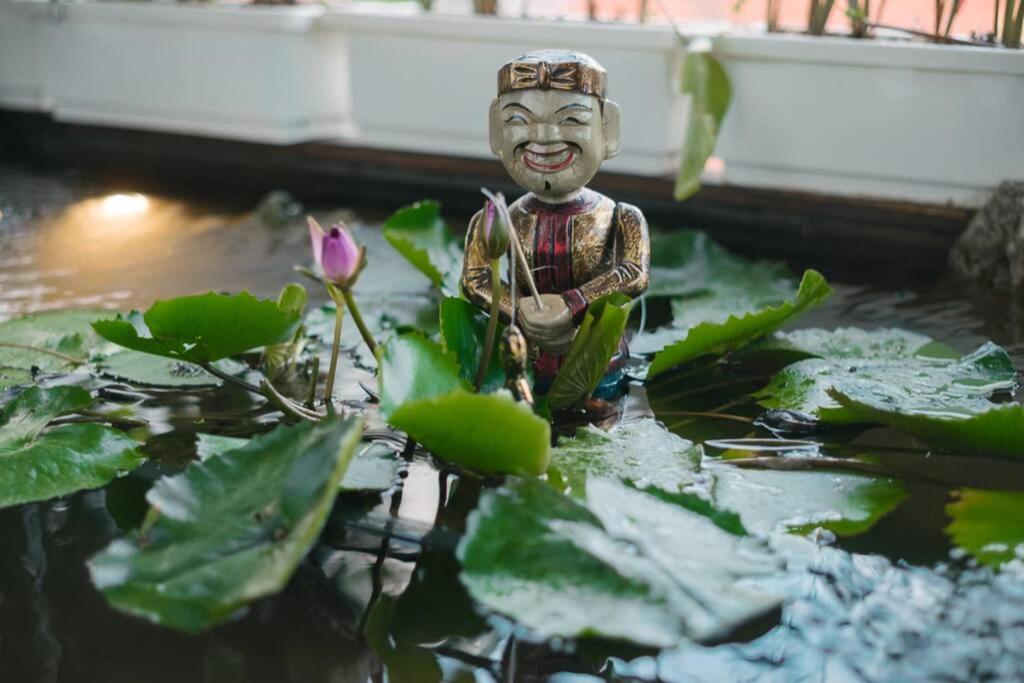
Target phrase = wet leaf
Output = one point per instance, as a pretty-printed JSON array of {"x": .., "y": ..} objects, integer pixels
[
  {"x": 917, "y": 384},
  {"x": 850, "y": 342},
  {"x": 642, "y": 453},
  {"x": 947, "y": 421},
  {"x": 203, "y": 328},
  {"x": 420, "y": 234},
  {"x": 621, "y": 564},
  {"x": 715, "y": 323},
  {"x": 142, "y": 368},
  {"x": 38, "y": 465},
  {"x": 230, "y": 529},
  {"x": 13, "y": 377},
  {"x": 988, "y": 524},
  {"x": 463, "y": 332},
  {"x": 374, "y": 467},
  {"x": 595, "y": 343},
  {"x": 766, "y": 501},
  {"x": 65, "y": 332},
  {"x": 413, "y": 368}
]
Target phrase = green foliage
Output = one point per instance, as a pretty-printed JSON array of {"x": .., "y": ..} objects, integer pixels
[
  {"x": 423, "y": 394},
  {"x": 620, "y": 564},
  {"x": 463, "y": 331},
  {"x": 587, "y": 359},
  {"x": 733, "y": 324},
  {"x": 643, "y": 453},
  {"x": 230, "y": 529},
  {"x": 988, "y": 524},
  {"x": 767, "y": 501},
  {"x": 65, "y": 332},
  {"x": 13, "y": 377},
  {"x": 849, "y": 342},
  {"x": 912, "y": 384},
  {"x": 707, "y": 84},
  {"x": 419, "y": 234},
  {"x": 142, "y": 368},
  {"x": 203, "y": 328},
  {"x": 38, "y": 465}
]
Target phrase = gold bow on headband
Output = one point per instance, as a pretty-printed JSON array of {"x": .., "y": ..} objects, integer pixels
[{"x": 573, "y": 76}]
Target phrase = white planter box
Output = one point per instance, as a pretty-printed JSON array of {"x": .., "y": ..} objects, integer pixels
[
  {"x": 424, "y": 82},
  {"x": 874, "y": 118},
  {"x": 264, "y": 74},
  {"x": 24, "y": 38}
]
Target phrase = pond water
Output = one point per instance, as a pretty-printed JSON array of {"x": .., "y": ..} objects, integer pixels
[{"x": 895, "y": 603}]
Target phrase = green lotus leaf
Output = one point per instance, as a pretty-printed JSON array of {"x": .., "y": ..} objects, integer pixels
[
  {"x": 988, "y": 524},
  {"x": 419, "y": 234}
]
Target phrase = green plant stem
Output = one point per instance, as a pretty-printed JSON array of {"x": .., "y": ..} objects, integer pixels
[
  {"x": 230, "y": 379},
  {"x": 36, "y": 349},
  {"x": 285, "y": 405},
  {"x": 339, "y": 313},
  {"x": 371, "y": 343},
  {"x": 492, "y": 324}
]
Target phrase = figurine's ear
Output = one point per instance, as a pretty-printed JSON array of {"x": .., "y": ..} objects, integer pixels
[
  {"x": 494, "y": 128},
  {"x": 611, "y": 121}
]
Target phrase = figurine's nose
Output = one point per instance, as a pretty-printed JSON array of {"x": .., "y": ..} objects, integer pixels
[{"x": 547, "y": 133}]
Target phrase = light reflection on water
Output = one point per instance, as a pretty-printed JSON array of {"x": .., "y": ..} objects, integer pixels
[{"x": 891, "y": 605}]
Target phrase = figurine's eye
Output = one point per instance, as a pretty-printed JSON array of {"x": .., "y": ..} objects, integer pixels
[
  {"x": 516, "y": 119},
  {"x": 572, "y": 120}
]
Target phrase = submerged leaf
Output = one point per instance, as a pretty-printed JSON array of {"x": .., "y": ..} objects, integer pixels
[
  {"x": 622, "y": 565},
  {"x": 420, "y": 234},
  {"x": 642, "y": 453},
  {"x": 38, "y": 465},
  {"x": 766, "y": 501},
  {"x": 595, "y": 343},
  {"x": 988, "y": 524},
  {"x": 713, "y": 324},
  {"x": 65, "y": 332},
  {"x": 203, "y": 328},
  {"x": 230, "y": 529}
]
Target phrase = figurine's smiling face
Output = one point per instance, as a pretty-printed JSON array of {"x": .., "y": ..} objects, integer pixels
[{"x": 552, "y": 142}]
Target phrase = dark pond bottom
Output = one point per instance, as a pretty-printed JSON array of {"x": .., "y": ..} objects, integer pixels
[{"x": 379, "y": 598}]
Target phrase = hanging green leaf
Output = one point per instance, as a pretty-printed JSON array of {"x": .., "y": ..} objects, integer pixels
[
  {"x": 203, "y": 328},
  {"x": 766, "y": 501},
  {"x": 907, "y": 385},
  {"x": 230, "y": 529},
  {"x": 642, "y": 453},
  {"x": 718, "y": 324},
  {"x": 420, "y": 234},
  {"x": 707, "y": 84},
  {"x": 64, "y": 338},
  {"x": 595, "y": 343},
  {"x": 988, "y": 524},
  {"x": 621, "y": 564},
  {"x": 423, "y": 394},
  {"x": 463, "y": 331},
  {"x": 38, "y": 465}
]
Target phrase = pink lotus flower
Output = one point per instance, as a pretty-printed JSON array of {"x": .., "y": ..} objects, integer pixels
[{"x": 335, "y": 252}]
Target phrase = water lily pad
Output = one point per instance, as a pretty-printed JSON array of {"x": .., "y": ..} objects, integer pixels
[
  {"x": 620, "y": 564},
  {"x": 13, "y": 377},
  {"x": 717, "y": 322},
  {"x": 850, "y": 342},
  {"x": 587, "y": 360},
  {"x": 988, "y": 524},
  {"x": 374, "y": 467},
  {"x": 142, "y": 368},
  {"x": 420, "y": 234},
  {"x": 230, "y": 529},
  {"x": 767, "y": 501},
  {"x": 643, "y": 453},
  {"x": 917, "y": 384},
  {"x": 423, "y": 394},
  {"x": 66, "y": 333},
  {"x": 203, "y": 328},
  {"x": 38, "y": 465}
]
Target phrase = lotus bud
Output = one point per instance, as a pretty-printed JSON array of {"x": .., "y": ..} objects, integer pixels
[
  {"x": 496, "y": 228},
  {"x": 336, "y": 253}
]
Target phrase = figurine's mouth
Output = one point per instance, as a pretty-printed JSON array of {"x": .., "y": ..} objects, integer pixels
[{"x": 548, "y": 158}]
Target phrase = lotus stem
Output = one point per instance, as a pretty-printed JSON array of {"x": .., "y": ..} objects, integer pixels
[
  {"x": 516, "y": 247},
  {"x": 48, "y": 352},
  {"x": 286, "y": 405},
  {"x": 230, "y": 379},
  {"x": 339, "y": 314},
  {"x": 371, "y": 343},
  {"x": 492, "y": 324}
]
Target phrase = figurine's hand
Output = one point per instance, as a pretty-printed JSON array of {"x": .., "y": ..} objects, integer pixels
[{"x": 549, "y": 327}]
